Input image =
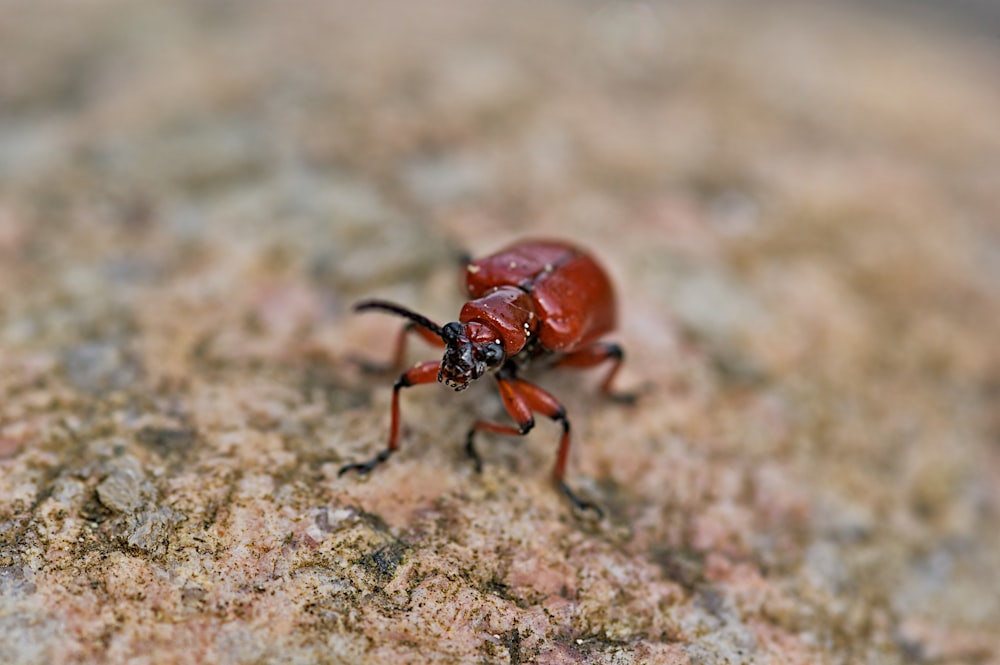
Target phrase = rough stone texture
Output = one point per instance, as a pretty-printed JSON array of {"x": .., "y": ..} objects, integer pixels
[{"x": 800, "y": 207}]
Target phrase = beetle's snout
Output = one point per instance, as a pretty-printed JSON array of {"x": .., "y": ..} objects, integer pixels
[
  {"x": 471, "y": 350},
  {"x": 459, "y": 366}
]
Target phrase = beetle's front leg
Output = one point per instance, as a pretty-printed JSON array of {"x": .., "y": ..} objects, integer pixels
[{"x": 426, "y": 372}]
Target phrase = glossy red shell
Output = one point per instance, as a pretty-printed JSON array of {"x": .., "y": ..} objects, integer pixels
[
  {"x": 509, "y": 311},
  {"x": 569, "y": 292}
]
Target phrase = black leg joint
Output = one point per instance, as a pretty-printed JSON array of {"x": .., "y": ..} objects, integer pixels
[
  {"x": 615, "y": 351},
  {"x": 560, "y": 417}
]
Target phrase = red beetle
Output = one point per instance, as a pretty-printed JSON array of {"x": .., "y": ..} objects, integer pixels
[{"x": 533, "y": 299}]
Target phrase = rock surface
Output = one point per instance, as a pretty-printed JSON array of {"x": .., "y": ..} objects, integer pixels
[{"x": 800, "y": 208}]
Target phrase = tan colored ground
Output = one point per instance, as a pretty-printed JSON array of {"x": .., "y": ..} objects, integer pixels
[{"x": 801, "y": 209}]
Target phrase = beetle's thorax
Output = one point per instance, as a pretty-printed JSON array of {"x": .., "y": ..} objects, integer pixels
[
  {"x": 509, "y": 312},
  {"x": 471, "y": 350}
]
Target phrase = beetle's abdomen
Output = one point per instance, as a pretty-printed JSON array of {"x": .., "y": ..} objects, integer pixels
[
  {"x": 575, "y": 304},
  {"x": 517, "y": 265},
  {"x": 571, "y": 293}
]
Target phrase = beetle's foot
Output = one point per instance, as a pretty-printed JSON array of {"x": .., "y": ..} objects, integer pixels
[
  {"x": 472, "y": 453},
  {"x": 364, "y": 468},
  {"x": 579, "y": 503}
]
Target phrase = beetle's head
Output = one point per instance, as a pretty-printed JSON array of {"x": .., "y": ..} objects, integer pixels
[{"x": 471, "y": 350}]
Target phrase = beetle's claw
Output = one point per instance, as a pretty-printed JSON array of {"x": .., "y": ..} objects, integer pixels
[
  {"x": 579, "y": 503},
  {"x": 473, "y": 454},
  {"x": 364, "y": 468}
]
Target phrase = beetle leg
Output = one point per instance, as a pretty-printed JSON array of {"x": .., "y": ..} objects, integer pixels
[
  {"x": 518, "y": 408},
  {"x": 399, "y": 351},
  {"x": 521, "y": 399},
  {"x": 594, "y": 355},
  {"x": 425, "y": 372}
]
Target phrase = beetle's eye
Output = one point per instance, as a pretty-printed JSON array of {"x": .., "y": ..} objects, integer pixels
[
  {"x": 451, "y": 332},
  {"x": 492, "y": 354}
]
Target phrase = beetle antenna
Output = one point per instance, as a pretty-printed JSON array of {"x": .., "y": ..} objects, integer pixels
[{"x": 399, "y": 310}]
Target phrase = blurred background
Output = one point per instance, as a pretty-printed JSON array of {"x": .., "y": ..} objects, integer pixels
[{"x": 365, "y": 145}]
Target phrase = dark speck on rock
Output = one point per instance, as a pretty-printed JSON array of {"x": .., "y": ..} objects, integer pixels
[
  {"x": 384, "y": 561},
  {"x": 512, "y": 640}
]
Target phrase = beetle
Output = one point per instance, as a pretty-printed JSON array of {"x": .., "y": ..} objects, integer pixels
[{"x": 532, "y": 300}]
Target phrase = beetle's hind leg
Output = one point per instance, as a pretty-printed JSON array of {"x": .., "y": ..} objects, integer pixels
[
  {"x": 521, "y": 399},
  {"x": 594, "y": 355}
]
